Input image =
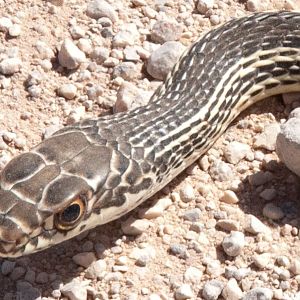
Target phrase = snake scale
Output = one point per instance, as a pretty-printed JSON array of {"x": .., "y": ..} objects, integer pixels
[{"x": 97, "y": 170}]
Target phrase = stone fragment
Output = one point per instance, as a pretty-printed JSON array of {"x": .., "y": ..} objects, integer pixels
[
  {"x": 259, "y": 294},
  {"x": 261, "y": 260},
  {"x": 204, "y": 5},
  {"x": 96, "y": 269},
  {"x": 5, "y": 24},
  {"x": 212, "y": 289},
  {"x": 273, "y": 211},
  {"x": 70, "y": 56},
  {"x": 184, "y": 292},
  {"x": 221, "y": 171},
  {"x": 84, "y": 259},
  {"x": 254, "y": 225},
  {"x": 162, "y": 60},
  {"x": 267, "y": 139},
  {"x": 232, "y": 291},
  {"x": 68, "y": 91},
  {"x": 288, "y": 144},
  {"x": 236, "y": 151},
  {"x": 187, "y": 193},
  {"x": 157, "y": 209},
  {"x": 99, "y": 8},
  {"x": 229, "y": 197},
  {"x": 165, "y": 31},
  {"x": 9, "y": 66},
  {"x": 75, "y": 290},
  {"x": 134, "y": 226},
  {"x": 193, "y": 275},
  {"x": 234, "y": 243}
]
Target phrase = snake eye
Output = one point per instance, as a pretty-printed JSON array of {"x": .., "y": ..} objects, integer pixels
[{"x": 68, "y": 218}]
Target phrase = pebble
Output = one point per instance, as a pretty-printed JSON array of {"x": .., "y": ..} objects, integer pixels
[
  {"x": 232, "y": 291},
  {"x": 260, "y": 178},
  {"x": 42, "y": 277},
  {"x": 212, "y": 289},
  {"x": 130, "y": 97},
  {"x": 259, "y": 294},
  {"x": 192, "y": 215},
  {"x": 295, "y": 266},
  {"x": 162, "y": 60},
  {"x": 179, "y": 250},
  {"x": 75, "y": 290},
  {"x": 17, "y": 273},
  {"x": 84, "y": 259},
  {"x": 7, "y": 267},
  {"x": 127, "y": 36},
  {"x": 229, "y": 197},
  {"x": 70, "y": 56},
  {"x": 68, "y": 91},
  {"x": 9, "y": 66},
  {"x": 204, "y": 5},
  {"x": 273, "y": 212},
  {"x": 184, "y": 292},
  {"x": 261, "y": 260},
  {"x": 131, "y": 54},
  {"x": 96, "y": 269},
  {"x": 221, "y": 171},
  {"x": 157, "y": 209},
  {"x": 99, "y": 8},
  {"x": 288, "y": 144},
  {"x": 126, "y": 70},
  {"x": 234, "y": 243},
  {"x": 134, "y": 226},
  {"x": 267, "y": 139},
  {"x": 27, "y": 290},
  {"x": 14, "y": 30},
  {"x": 99, "y": 54},
  {"x": 214, "y": 268},
  {"x": 165, "y": 31},
  {"x": 5, "y": 24},
  {"x": 228, "y": 225},
  {"x": 187, "y": 193},
  {"x": 268, "y": 194},
  {"x": 193, "y": 275},
  {"x": 236, "y": 151},
  {"x": 254, "y": 225}
]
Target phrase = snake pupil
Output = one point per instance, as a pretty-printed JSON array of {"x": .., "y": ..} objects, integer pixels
[{"x": 71, "y": 213}]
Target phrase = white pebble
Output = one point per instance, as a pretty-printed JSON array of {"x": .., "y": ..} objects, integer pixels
[
  {"x": 234, "y": 243},
  {"x": 68, "y": 91}
]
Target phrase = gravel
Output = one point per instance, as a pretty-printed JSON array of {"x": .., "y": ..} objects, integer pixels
[{"x": 61, "y": 62}]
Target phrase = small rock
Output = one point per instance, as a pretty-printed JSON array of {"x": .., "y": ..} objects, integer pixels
[
  {"x": 5, "y": 24},
  {"x": 17, "y": 273},
  {"x": 229, "y": 197},
  {"x": 14, "y": 30},
  {"x": 96, "y": 269},
  {"x": 68, "y": 91},
  {"x": 273, "y": 212},
  {"x": 204, "y": 5},
  {"x": 179, "y": 249},
  {"x": 9, "y": 66},
  {"x": 288, "y": 144},
  {"x": 259, "y": 294},
  {"x": 234, "y": 243},
  {"x": 84, "y": 259},
  {"x": 165, "y": 31},
  {"x": 7, "y": 267},
  {"x": 256, "y": 5},
  {"x": 214, "y": 268},
  {"x": 70, "y": 56},
  {"x": 295, "y": 266},
  {"x": 42, "y": 277},
  {"x": 187, "y": 193},
  {"x": 75, "y": 290},
  {"x": 255, "y": 226},
  {"x": 27, "y": 291},
  {"x": 99, "y": 54},
  {"x": 228, "y": 225},
  {"x": 261, "y": 260},
  {"x": 99, "y": 8},
  {"x": 192, "y": 215},
  {"x": 184, "y": 292},
  {"x": 193, "y": 275},
  {"x": 260, "y": 178},
  {"x": 221, "y": 171},
  {"x": 157, "y": 209},
  {"x": 295, "y": 113},
  {"x": 127, "y": 36},
  {"x": 130, "y": 97},
  {"x": 236, "y": 151},
  {"x": 268, "y": 194},
  {"x": 212, "y": 289},
  {"x": 267, "y": 139},
  {"x": 126, "y": 70},
  {"x": 162, "y": 60},
  {"x": 135, "y": 227},
  {"x": 232, "y": 291}
]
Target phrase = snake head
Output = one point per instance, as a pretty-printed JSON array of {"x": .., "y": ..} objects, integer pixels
[{"x": 46, "y": 195}]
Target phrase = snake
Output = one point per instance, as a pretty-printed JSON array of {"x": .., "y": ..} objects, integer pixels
[{"x": 97, "y": 170}]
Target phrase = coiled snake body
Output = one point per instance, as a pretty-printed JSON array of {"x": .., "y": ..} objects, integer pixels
[{"x": 97, "y": 170}]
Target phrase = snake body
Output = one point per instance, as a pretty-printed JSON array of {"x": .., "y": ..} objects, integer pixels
[{"x": 97, "y": 170}]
